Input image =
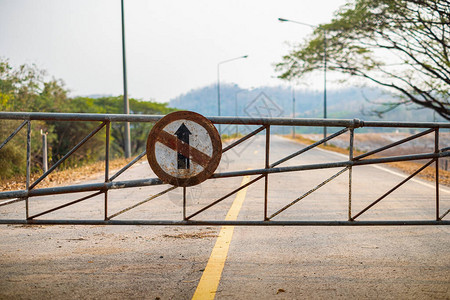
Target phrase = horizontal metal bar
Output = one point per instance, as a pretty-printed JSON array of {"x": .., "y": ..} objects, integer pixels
[
  {"x": 155, "y": 118},
  {"x": 101, "y": 186},
  {"x": 351, "y": 123},
  {"x": 330, "y": 165},
  {"x": 243, "y": 139},
  {"x": 79, "y": 117},
  {"x": 395, "y": 144},
  {"x": 227, "y": 223},
  {"x": 406, "y": 124},
  {"x": 155, "y": 181}
]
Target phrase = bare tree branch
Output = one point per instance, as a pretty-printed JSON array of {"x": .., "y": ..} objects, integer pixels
[{"x": 366, "y": 38}]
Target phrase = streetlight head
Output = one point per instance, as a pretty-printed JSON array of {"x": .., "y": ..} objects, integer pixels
[
  {"x": 245, "y": 56},
  {"x": 283, "y": 20}
]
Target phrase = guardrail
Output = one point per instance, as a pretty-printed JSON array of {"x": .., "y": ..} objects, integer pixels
[{"x": 264, "y": 124}]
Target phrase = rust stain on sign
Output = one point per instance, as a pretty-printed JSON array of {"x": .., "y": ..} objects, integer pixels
[
  {"x": 184, "y": 148},
  {"x": 173, "y": 143}
]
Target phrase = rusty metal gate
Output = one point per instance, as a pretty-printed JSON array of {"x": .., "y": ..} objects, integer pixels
[{"x": 270, "y": 168}]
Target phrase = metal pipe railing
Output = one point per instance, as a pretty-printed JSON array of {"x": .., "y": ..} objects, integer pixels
[
  {"x": 264, "y": 123},
  {"x": 227, "y": 223},
  {"x": 349, "y": 123}
]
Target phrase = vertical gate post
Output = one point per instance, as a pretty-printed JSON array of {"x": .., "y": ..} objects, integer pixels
[
  {"x": 184, "y": 203},
  {"x": 350, "y": 158},
  {"x": 436, "y": 150},
  {"x": 28, "y": 167},
  {"x": 107, "y": 141},
  {"x": 267, "y": 166}
]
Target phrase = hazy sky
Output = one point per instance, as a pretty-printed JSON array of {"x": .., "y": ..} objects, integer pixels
[{"x": 172, "y": 46}]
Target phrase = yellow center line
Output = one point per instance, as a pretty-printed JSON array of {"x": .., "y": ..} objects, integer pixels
[{"x": 209, "y": 282}]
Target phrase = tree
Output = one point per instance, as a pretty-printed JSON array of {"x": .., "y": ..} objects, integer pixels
[
  {"x": 401, "y": 45},
  {"x": 25, "y": 88},
  {"x": 139, "y": 131}
]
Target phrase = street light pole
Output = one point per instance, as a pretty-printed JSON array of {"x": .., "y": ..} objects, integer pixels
[
  {"x": 127, "y": 142},
  {"x": 324, "y": 70},
  {"x": 324, "y": 81},
  {"x": 235, "y": 109},
  {"x": 218, "y": 83},
  {"x": 293, "y": 110},
  {"x": 236, "y": 106}
]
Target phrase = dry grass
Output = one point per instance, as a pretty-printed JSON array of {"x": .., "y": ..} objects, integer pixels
[
  {"x": 407, "y": 167},
  {"x": 195, "y": 235},
  {"x": 57, "y": 178}
]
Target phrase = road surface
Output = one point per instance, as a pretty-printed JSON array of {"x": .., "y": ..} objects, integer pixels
[{"x": 164, "y": 262}]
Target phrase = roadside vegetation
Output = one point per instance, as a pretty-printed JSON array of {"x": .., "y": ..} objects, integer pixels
[
  {"x": 27, "y": 89},
  {"x": 87, "y": 171}
]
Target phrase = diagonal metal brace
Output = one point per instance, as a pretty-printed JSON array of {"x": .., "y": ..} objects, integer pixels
[
  {"x": 309, "y": 192},
  {"x": 68, "y": 154},
  {"x": 444, "y": 214},
  {"x": 64, "y": 205},
  {"x": 393, "y": 189},
  {"x": 322, "y": 141},
  {"x": 128, "y": 165},
  {"x": 13, "y": 134},
  {"x": 255, "y": 132},
  {"x": 142, "y": 202},
  {"x": 410, "y": 138},
  {"x": 226, "y": 196}
]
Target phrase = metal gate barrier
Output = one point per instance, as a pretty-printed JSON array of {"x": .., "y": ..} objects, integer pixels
[{"x": 264, "y": 124}]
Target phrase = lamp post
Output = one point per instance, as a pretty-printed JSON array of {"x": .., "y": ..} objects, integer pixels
[
  {"x": 324, "y": 68},
  {"x": 127, "y": 142},
  {"x": 293, "y": 110},
  {"x": 236, "y": 106},
  {"x": 218, "y": 83}
]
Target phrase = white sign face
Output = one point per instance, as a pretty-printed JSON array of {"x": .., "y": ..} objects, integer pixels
[
  {"x": 184, "y": 148},
  {"x": 176, "y": 164}
]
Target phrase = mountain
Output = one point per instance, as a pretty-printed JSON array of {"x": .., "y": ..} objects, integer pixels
[{"x": 277, "y": 101}]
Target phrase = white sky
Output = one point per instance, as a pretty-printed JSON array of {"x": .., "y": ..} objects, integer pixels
[{"x": 172, "y": 46}]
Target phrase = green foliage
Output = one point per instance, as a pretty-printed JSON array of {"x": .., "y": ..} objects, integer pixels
[
  {"x": 22, "y": 89},
  {"x": 401, "y": 45},
  {"x": 114, "y": 105},
  {"x": 25, "y": 89},
  {"x": 12, "y": 156}
]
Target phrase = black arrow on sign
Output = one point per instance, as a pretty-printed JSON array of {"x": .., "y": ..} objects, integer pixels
[{"x": 182, "y": 134}]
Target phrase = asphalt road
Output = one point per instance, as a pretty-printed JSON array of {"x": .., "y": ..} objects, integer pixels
[{"x": 151, "y": 262}]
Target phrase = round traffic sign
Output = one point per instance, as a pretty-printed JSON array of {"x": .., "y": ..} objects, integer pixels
[{"x": 184, "y": 148}]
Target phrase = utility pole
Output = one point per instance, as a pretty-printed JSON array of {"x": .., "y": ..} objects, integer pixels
[
  {"x": 218, "y": 84},
  {"x": 324, "y": 68},
  {"x": 293, "y": 111},
  {"x": 325, "y": 81},
  {"x": 127, "y": 141}
]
